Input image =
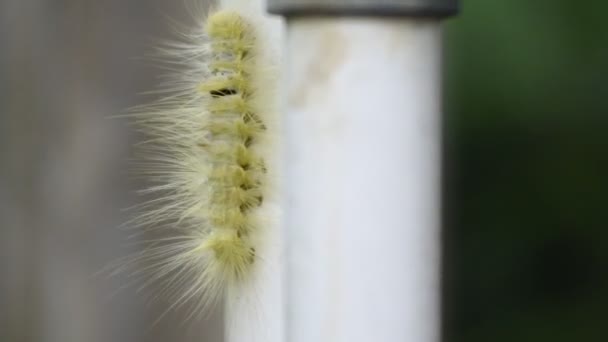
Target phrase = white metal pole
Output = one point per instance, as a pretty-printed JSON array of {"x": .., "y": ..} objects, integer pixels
[
  {"x": 362, "y": 161},
  {"x": 254, "y": 312}
]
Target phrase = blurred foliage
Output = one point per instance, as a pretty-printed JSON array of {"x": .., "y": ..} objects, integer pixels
[{"x": 526, "y": 140}]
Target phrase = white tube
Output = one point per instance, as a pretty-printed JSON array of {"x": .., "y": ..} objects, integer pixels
[{"x": 362, "y": 174}]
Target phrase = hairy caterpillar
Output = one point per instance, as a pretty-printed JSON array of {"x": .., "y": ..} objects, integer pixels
[{"x": 208, "y": 154}]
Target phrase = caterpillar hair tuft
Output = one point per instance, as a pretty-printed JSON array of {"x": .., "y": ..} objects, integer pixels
[{"x": 208, "y": 158}]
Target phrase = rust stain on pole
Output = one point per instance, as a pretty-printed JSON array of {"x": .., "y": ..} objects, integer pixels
[{"x": 331, "y": 54}]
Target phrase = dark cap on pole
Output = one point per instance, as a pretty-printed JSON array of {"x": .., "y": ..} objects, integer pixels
[{"x": 410, "y": 8}]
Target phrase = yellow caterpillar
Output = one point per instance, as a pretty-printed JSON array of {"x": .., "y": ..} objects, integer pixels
[{"x": 208, "y": 154}]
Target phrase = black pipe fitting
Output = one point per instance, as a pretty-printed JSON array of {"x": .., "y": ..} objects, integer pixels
[{"x": 396, "y": 8}]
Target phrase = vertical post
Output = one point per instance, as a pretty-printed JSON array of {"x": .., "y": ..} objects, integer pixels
[
  {"x": 254, "y": 313},
  {"x": 362, "y": 161}
]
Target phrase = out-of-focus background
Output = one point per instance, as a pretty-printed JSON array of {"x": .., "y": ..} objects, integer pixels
[
  {"x": 526, "y": 151},
  {"x": 526, "y": 141}
]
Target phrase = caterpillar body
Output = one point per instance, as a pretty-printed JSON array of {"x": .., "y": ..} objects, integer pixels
[{"x": 208, "y": 154}]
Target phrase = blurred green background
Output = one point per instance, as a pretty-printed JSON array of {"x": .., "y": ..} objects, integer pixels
[
  {"x": 526, "y": 139},
  {"x": 526, "y": 160}
]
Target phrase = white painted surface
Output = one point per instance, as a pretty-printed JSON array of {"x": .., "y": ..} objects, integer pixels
[{"x": 362, "y": 175}]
